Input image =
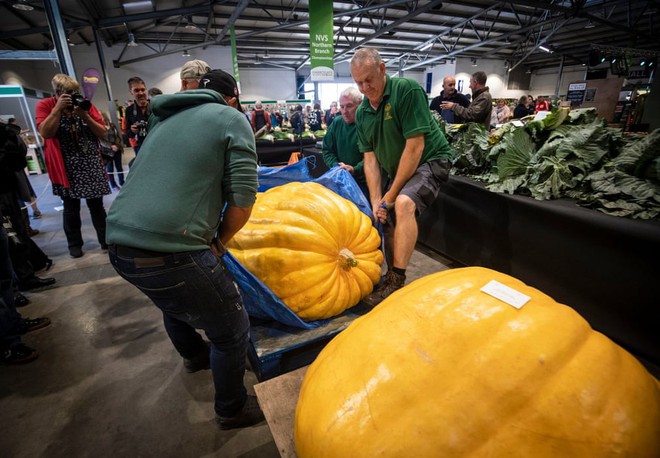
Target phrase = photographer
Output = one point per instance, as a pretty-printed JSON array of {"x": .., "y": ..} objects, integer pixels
[
  {"x": 71, "y": 127},
  {"x": 137, "y": 115}
]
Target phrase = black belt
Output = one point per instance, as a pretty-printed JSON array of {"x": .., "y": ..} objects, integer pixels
[{"x": 122, "y": 250}]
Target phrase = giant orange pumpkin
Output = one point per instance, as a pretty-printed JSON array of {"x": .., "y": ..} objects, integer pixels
[
  {"x": 314, "y": 249},
  {"x": 441, "y": 369}
]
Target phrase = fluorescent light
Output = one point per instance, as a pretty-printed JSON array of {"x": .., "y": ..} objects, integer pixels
[
  {"x": 427, "y": 46},
  {"x": 543, "y": 48},
  {"x": 131, "y": 40},
  {"x": 186, "y": 53},
  {"x": 21, "y": 5}
]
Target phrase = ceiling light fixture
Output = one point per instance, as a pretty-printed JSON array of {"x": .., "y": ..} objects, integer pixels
[
  {"x": 266, "y": 56},
  {"x": 590, "y": 25},
  {"x": 428, "y": 45},
  {"x": 22, "y": 5},
  {"x": 543, "y": 48},
  {"x": 474, "y": 62},
  {"x": 642, "y": 63},
  {"x": 185, "y": 53},
  {"x": 131, "y": 41},
  {"x": 190, "y": 25}
]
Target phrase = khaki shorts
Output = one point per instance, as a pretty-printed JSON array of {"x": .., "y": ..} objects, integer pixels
[{"x": 424, "y": 186}]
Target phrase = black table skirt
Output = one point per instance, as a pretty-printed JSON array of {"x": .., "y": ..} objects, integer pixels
[
  {"x": 278, "y": 152},
  {"x": 607, "y": 268}
]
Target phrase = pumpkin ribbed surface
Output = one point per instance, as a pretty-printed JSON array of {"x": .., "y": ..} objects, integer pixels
[
  {"x": 441, "y": 369},
  {"x": 314, "y": 249}
]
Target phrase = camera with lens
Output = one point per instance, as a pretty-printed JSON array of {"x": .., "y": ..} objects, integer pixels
[
  {"x": 142, "y": 128},
  {"x": 79, "y": 100}
]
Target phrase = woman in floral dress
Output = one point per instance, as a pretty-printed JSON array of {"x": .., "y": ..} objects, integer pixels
[{"x": 73, "y": 158}]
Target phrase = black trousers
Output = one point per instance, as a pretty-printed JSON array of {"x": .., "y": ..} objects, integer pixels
[{"x": 73, "y": 223}]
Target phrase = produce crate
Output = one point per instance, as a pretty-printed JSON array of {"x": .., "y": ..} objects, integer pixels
[{"x": 276, "y": 349}]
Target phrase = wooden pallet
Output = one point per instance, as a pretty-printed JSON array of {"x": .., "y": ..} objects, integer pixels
[{"x": 276, "y": 349}]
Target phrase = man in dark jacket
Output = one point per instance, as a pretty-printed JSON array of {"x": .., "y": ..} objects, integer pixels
[
  {"x": 482, "y": 103},
  {"x": 12, "y": 160},
  {"x": 449, "y": 94},
  {"x": 172, "y": 247},
  {"x": 137, "y": 115}
]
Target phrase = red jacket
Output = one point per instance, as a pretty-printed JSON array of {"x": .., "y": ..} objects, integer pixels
[
  {"x": 543, "y": 105},
  {"x": 54, "y": 160}
]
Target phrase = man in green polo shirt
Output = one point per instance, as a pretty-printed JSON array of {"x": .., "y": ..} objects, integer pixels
[
  {"x": 340, "y": 145},
  {"x": 396, "y": 132}
]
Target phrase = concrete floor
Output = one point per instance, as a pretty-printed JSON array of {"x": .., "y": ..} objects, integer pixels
[{"x": 108, "y": 381}]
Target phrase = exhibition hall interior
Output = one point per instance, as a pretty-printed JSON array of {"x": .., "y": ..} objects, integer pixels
[{"x": 303, "y": 228}]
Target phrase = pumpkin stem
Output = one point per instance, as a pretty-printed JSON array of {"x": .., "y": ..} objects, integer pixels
[{"x": 346, "y": 259}]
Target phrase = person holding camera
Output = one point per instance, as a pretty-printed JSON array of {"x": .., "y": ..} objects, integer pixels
[
  {"x": 72, "y": 127},
  {"x": 137, "y": 115}
]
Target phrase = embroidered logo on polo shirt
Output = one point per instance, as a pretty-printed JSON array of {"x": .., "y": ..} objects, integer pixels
[{"x": 388, "y": 116}]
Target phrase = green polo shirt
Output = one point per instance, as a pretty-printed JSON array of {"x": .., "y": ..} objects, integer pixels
[
  {"x": 340, "y": 145},
  {"x": 403, "y": 113}
]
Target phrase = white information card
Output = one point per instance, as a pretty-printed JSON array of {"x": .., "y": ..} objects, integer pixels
[{"x": 505, "y": 294}]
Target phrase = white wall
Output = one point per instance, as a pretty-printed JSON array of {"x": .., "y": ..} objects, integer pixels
[
  {"x": 161, "y": 72},
  {"x": 34, "y": 74},
  {"x": 267, "y": 84},
  {"x": 544, "y": 82}
]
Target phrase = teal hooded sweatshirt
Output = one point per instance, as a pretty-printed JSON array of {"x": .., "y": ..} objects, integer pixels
[{"x": 198, "y": 156}]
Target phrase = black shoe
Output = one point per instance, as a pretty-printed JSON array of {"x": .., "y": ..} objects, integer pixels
[
  {"x": 20, "y": 300},
  {"x": 34, "y": 283},
  {"x": 249, "y": 415},
  {"x": 76, "y": 252},
  {"x": 200, "y": 362},
  {"x": 19, "y": 354},
  {"x": 393, "y": 281},
  {"x": 29, "y": 325}
]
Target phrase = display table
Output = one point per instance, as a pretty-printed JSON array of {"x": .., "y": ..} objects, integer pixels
[
  {"x": 32, "y": 158},
  {"x": 278, "y": 152},
  {"x": 276, "y": 349},
  {"x": 278, "y": 398},
  {"x": 607, "y": 268}
]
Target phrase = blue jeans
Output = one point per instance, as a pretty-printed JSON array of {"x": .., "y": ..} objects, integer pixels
[{"x": 194, "y": 290}]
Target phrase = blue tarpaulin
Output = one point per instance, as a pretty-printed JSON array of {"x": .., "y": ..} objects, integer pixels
[{"x": 259, "y": 301}]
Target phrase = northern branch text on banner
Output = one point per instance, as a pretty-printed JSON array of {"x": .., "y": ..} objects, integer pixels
[{"x": 321, "y": 40}]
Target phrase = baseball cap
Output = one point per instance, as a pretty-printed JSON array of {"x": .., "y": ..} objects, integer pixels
[
  {"x": 222, "y": 82},
  {"x": 194, "y": 69}
]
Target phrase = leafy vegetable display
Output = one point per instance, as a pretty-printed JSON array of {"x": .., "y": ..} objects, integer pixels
[{"x": 568, "y": 154}]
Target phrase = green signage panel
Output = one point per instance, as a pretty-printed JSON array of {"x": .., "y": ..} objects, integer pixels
[
  {"x": 234, "y": 57},
  {"x": 321, "y": 45}
]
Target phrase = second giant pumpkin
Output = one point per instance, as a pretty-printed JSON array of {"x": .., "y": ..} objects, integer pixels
[
  {"x": 442, "y": 369},
  {"x": 314, "y": 249}
]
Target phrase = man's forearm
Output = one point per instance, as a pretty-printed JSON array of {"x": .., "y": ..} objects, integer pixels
[
  {"x": 233, "y": 219},
  {"x": 372, "y": 174},
  {"x": 408, "y": 164}
]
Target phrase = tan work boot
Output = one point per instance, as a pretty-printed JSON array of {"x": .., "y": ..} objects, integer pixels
[{"x": 393, "y": 281}]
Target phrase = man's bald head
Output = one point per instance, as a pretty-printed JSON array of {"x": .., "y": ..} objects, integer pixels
[{"x": 449, "y": 85}]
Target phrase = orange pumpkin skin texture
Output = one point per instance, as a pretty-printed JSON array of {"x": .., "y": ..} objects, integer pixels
[
  {"x": 440, "y": 369},
  {"x": 314, "y": 249}
]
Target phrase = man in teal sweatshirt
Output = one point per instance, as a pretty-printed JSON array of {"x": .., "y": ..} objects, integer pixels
[{"x": 166, "y": 231}]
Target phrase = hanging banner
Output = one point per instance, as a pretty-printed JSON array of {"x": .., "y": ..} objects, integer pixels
[
  {"x": 234, "y": 57},
  {"x": 90, "y": 79},
  {"x": 321, "y": 46}
]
